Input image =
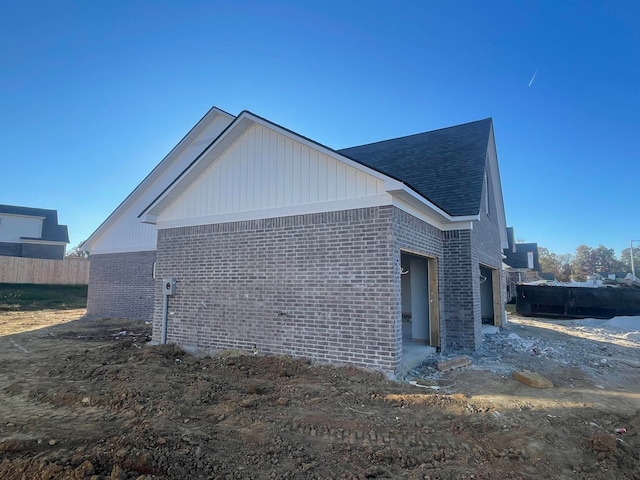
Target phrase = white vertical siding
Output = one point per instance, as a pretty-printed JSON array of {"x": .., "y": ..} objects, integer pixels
[
  {"x": 264, "y": 170},
  {"x": 127, "y": 233}
]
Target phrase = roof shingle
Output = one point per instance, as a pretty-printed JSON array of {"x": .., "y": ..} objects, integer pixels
[{"x": 445, "y": 166}]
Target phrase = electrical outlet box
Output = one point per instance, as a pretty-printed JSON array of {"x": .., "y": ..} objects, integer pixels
[{"x": 169, "y": 286}]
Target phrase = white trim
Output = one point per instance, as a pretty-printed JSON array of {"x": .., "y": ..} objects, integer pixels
[
  {"x": 492, "y": 154},
  {"x": 143, "y": 248},
  {"x": 415, "y": 199},
  {"x": 21, "y": 215},
  {"x": 159, "y": 169},
  {"x": 206, "y": 158},
  {"x": 40, "y": 242},
  {"x": 485, "y": 186},
  {"x": 463, "y": 224},
  {"x": 149, "y": 218},
  {"x": 240, "y": 125},
  {"x": 333, "y": 206}
]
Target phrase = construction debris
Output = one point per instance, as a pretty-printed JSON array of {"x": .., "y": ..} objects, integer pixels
[
  {"x": 532, "y": 379},
  {"x": 452, "y": 363}
]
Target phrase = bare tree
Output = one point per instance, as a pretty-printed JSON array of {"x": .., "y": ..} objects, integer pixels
[{"x": 77, "y": 252}]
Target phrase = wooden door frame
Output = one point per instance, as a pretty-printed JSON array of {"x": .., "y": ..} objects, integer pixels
[
  {"x": 496, "y": 293},
  {"x": 434, "y": 303}
]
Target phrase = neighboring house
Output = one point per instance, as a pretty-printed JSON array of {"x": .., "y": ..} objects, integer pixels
[
  {"x": 31, "y": 233},
  {"x": 285, "y": 245},
  {"x": 521, "y": 263}
]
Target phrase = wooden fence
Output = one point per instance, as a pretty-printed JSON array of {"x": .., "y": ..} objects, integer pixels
[{"x": 70, "y": 271}]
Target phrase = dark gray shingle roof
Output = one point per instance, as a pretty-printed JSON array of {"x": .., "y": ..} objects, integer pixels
[
  {"x": 445, "y": 166},
  {"x": 51, "y": 231},
  {"x": 519, "y": 258}
]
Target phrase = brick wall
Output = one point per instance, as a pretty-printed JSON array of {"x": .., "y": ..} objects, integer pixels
[
  {"x": 324, "y": 286},
  {"x": 485, "y": 236},
  {"x": 121, "y": 285},
  {"x": 319, "y": 286},
  {"x": 486, "y": 248},
  {"x": 416, "y": 236},
  {"x": 461, "y": 293}
]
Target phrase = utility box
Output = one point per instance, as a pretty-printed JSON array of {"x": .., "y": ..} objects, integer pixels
[{"x": 169, "y": 286}]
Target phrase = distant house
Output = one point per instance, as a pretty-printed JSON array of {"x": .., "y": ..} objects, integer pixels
[
  {"x": 522, "y": 263},
  {"x": 32, "y": 233},
  {"x": 278, "y": 242}
]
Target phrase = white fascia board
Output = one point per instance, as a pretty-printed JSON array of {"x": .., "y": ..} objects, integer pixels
[
  {"x": 408, "y": 195},
  {"x": 204, "y": 161},
  {"x": 149, "y": 218},
  {"x": 464, "y": 223},
  {"x": 492, "y": 154},
  {"x": 333, "y": 206},
  {"x": 181, "y": 146},
  {"x": 19, "y": 215},
  {"x": 222, "y": 143},
  {"x": 242, "y": 123},
  {"x": 41, "y": 242},
  {"x": 137, "y": 248}
]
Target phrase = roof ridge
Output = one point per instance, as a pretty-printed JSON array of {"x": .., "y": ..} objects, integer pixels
[{"x": 416, "y": 134}]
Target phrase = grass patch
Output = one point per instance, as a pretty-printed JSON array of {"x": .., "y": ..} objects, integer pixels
[{"x": 22, "y": 297}]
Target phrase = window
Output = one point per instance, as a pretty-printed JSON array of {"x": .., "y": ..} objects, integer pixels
[{"x": 486, "y": 193}]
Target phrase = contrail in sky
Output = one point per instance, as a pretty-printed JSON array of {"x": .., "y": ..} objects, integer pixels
[{"x": 534, "y": 77}]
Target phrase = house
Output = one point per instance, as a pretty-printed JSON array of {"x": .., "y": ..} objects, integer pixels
[
  {"x": 521, "y": 263},
  {"x": 123, "y": 250},
  {"x": 31, "y": 233},
  {"x": 284, "y": 245}
]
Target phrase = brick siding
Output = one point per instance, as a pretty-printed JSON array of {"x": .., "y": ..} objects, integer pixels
[
  {"x": 461, "y": 292},
  {"x": 486, "y": 248},
  {"x": 323, "y": 286},
  {"x": 319, "y": 286},
  {"x": 417, "y": 236},
  {"x": 121, "y": 285}
]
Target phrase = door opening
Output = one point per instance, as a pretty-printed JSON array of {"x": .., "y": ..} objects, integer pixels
[
  {"x": 419, "y": 299},
  {"x": 490, "y": 296}
]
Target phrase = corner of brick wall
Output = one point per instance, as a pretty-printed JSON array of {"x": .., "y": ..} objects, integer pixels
[{"x": 121, "y": 285}]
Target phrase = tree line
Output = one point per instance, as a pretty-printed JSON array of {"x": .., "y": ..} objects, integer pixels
[{"x": 587, "y": 261}]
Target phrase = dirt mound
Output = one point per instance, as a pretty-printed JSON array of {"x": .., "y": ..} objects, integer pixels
[{"x": 89, "y": 400}]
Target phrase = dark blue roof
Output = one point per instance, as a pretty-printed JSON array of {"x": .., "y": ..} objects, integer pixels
[
  {"x": 445, "y": 166},
  {"x": 51, "y": 231}
]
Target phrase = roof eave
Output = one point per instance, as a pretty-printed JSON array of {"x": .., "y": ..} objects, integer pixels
[
  {"x": 242, "y": 123},
  {"x": 406, "y": 194},
  {"x": 180, "y": 147},
  {"x": 42, "y": 241}
]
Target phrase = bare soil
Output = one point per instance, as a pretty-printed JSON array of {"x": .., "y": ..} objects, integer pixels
[{"x": 87, "y": 399}]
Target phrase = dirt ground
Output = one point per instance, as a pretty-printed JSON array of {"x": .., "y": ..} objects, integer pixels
[{"x": 86, "y": 399}]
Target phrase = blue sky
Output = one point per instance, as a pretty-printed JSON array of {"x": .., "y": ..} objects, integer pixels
[{"x": 93, "y": 94}]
